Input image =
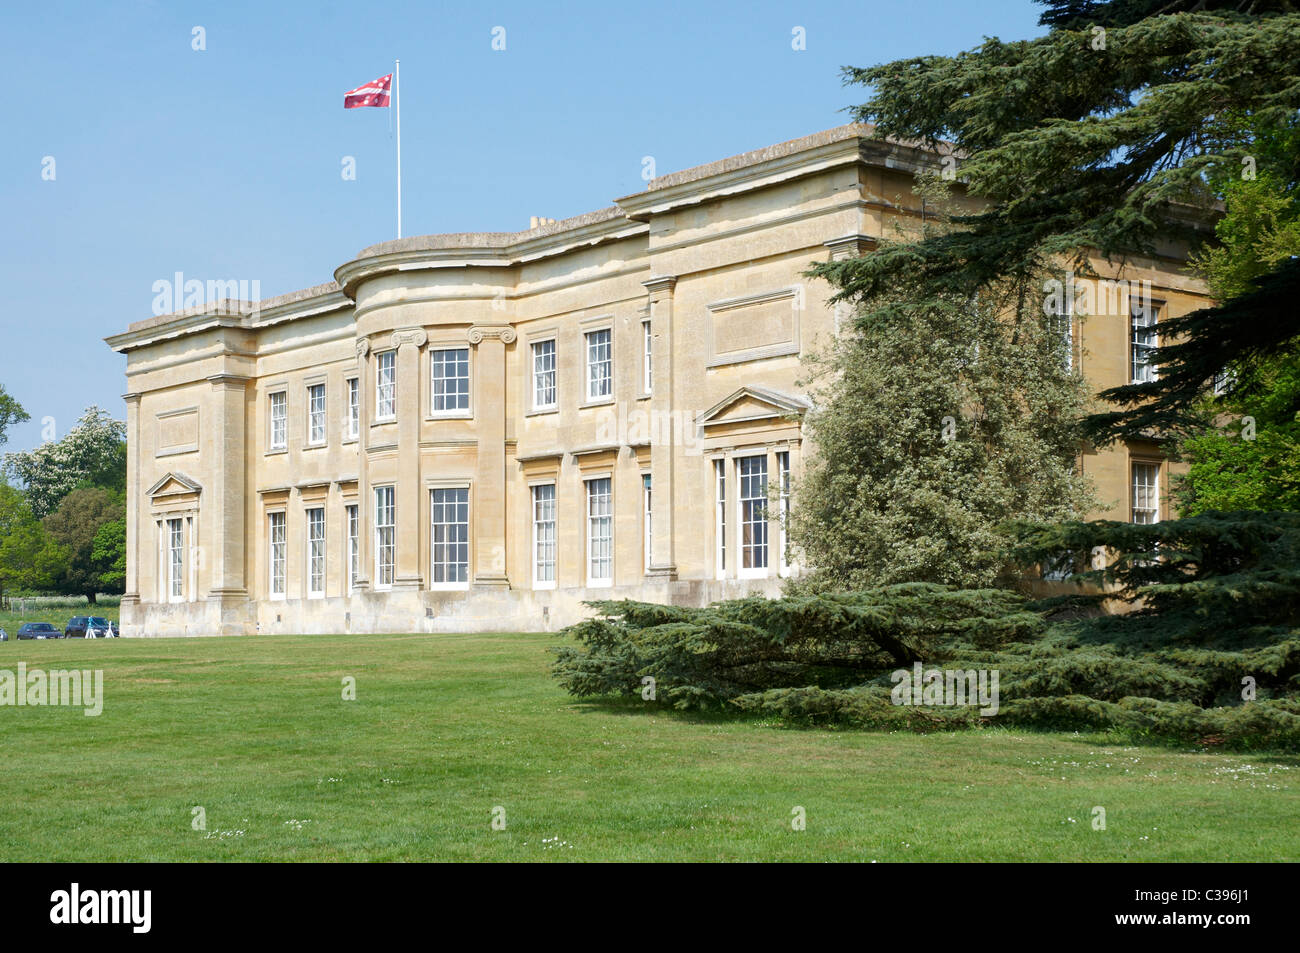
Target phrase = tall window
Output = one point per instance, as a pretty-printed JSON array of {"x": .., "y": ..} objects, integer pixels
[
  {"x": 544, "y": 536},
  {"x": 450, "y": 380},
  {"x": 1146, "y": 493},
  {"x": 316, "y": 414},
  {"x": 543, "y": 374},
  {"x": 277, "y": 554},
  {"x": 647, "y": 358},
  {"x": 600, "y": 533},
  {"x": 354, "y": 408},
  {"x": 386, "y": 385},
  {"x": 646, "y": 518},
  {"x": 600, "y": 364},
  {"x": 316, "y": 551},
  {"x": 783, "y": 470},
  {"x": 175, "y": 559},
  {"x": 1143, "y": 341},
  {"x": 449, "y": 511},
  {"x": 279, "y": 420},
  {"x": 1062, "y": 325},
  {"x": 385, "y": 536},
  {"x": 354, "y": 546},
  {"x": 752, "y": 475},
  {"x": 720, "y": 517}
]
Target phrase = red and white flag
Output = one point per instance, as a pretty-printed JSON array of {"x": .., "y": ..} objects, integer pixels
[{"x": 374, "y": 93}]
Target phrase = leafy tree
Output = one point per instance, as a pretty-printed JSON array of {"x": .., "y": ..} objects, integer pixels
[
  {"x": 940, "y": 416},
  {"x": 108, "y": 554},
  {"x": 1084, "y": 142},
  {"x": 11, "y": 412},
  {"x": 76, "y": 526},
  {"x": 91, "y": 454},
  {"x": 1247, "y": 453},
  {"x": 27, "y": 560}
]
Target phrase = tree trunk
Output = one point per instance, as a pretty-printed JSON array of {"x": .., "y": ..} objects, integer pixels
[{"x": 90, "y": 598}]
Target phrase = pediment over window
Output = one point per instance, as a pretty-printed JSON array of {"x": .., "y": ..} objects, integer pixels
[
  {"x": 174, "y": 484},
  {"x": 752, "y": 403},
  {"x": 752, "y": 416}
]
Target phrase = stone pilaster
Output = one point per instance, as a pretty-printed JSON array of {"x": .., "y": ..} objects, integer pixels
[
  {"x": 489, "y": 514},
  {"x": 131, "y": 596},
  {"x": 408, "y": 342},
  {"x": 365, "y": 501},
  {"x": 225, "y": 513},
  {"x": 663, "y": 444}
]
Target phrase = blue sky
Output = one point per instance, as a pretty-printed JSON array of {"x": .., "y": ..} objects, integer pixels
[{"x": 226, "y": 163}]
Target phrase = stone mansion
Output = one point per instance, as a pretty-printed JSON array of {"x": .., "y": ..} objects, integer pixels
[{"x": 478, "y": 432}]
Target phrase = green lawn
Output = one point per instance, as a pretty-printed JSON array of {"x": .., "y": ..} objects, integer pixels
[{"x": 447, "y": 727}]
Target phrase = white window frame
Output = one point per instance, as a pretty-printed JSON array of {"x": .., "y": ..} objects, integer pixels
[
  {"x": 544, "y": 524},
  {"x": 647, "y": 357},
  {"x": 538, "y": 376},
  {"x": 315, "y": 553},
  {"x": 386, "y": 386},
  {"x": 1062, "y": 326},
  {"x": 1144, "y": 371},
  {"x": 175, "y": 540},
  {"x": 750, "y": 551},
  {"x": 1151, "y": 491},
  {"x": 317, "y": 435},
  {"x": 720, "y": 517},
  {"x": 595, "y": 521},
  {"x": 595, "y": 380},
  {"x": 277, "y": 554},
  {"x": 461, "y": 401},
  {"x": 784, "y": 568},
  {"x": 435, "y": 564},
  {"x": 647, "y": 520},
  {"x": 282, "y": 418},
  {"x": 385, "y": 509},
  {"x": 353, "y": 388},
  {"x": 352, "y": 513}
]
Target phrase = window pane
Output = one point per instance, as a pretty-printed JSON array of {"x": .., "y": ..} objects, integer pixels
[
  {"x": 316, "y": 550},
  {"x": 600, "y": 531},
  {"x": 450, "y": 534},
  {"x": 176, "y": 560},
  {"x": 1146, "y": 493},
  {"x": 354, "y": 407},
  {"x": 279, "y": 420},
  {"x": 316, "y": 413},
  {"x": 450, "y": 380},
  {"x": 544, "y": 533},
  {"x": 354, "y": 546},
  {"x": 386, "y": 385},
  {"x": 544, "y": 374},
  {"x": 600, "y": 364},
  {"x": 277, "y": 553},
  {"x": 752, "y": 472},
  {"x": 385, "y": 536}
]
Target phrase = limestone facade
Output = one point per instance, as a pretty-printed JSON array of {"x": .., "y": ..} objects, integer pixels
[{"x": 478, "y": 432}]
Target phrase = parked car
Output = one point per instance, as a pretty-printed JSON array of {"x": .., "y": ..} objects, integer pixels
[
  {"x": 90, "y": 626},
  {"x": 38, "y": 630},
  {"x": 4, "y": 636}
]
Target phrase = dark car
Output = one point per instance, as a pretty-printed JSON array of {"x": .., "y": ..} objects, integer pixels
[
  {"x": 98, "y": 627},
  {"x": 38, "y": 630}
]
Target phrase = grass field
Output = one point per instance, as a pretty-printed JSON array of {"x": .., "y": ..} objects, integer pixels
[{"x": 446, "y": 728}]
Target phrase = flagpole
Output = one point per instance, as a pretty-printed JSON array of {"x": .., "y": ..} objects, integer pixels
[{"x": 397, "y": 102}]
